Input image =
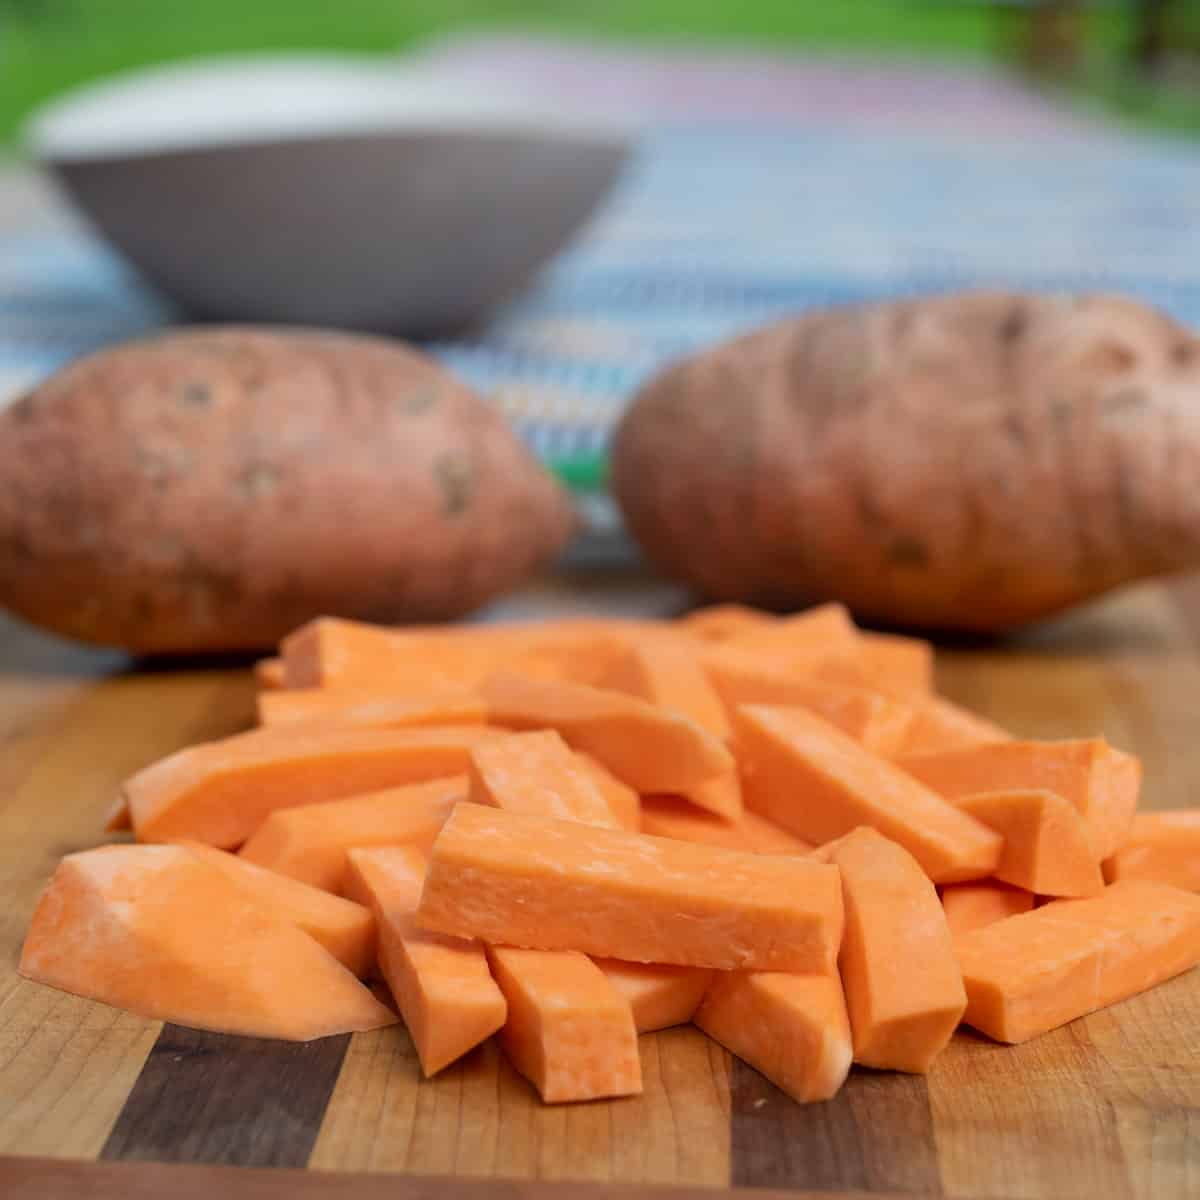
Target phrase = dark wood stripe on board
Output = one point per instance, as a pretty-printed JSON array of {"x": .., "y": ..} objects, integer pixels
[
  {"x": 876, "y": 1135},
  {"x": 53, "y": 1179},
  {"x": 211, "y": 1098}
]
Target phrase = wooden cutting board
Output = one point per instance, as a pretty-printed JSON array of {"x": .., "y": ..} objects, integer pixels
[{"x": 1106, "y": 1107}]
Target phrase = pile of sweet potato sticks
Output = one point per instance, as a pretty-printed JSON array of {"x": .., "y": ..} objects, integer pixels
[{"x": 572, "y": 832}]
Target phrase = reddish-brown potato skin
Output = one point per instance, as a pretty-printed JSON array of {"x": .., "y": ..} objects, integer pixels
[
  {"x": 210, "y": 490},
  {"x": 965, "y": 462}
]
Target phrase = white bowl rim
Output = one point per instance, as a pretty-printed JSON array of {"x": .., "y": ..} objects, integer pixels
[{"x": 290, "y": 97}]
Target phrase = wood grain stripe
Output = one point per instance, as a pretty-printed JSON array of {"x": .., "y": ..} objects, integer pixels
[
  {"x": 1043, "y": 1115},
  {"x": 211, "y": 1098},
  {"x": 479, "y": 1117},
  {"x": 49, "y": 1179},
  {"x": 875, "y": 1136}
]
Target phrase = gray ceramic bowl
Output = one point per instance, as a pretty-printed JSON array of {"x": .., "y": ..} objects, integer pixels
[{"x": 342, "y": 195}]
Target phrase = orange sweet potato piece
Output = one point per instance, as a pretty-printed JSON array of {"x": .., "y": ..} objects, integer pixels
[
  {"x": 792, "y": 1028},
  {"x": 1102, "y": 783},
  {"x": 625, "y": 803},
  {"x": 350, "y": 655},
  {"x": 344, "y": 928},
  {"x": 1037, "y": 971},
  {"x": 660, "y": 995},
  {"x": 309, "y": 842},
  {"x": 442, "y": 985},
  {"x": 939, "y": 725},
  {"x": 899, "y": 667},
  {"x": 221, "y": 792},
  {"x": 537, "y": 773},
  {"x": 370, "y": 709},
  {"x": 804, "y": 774},
  {"x": 896, "y": 664},
  {"x": 821, "y": 629},
  {"x": 569, "y": 1031},
  {"x": 970, "y": 906},
  {"x": 904, "y": 991},
  {"x": 518, "y": 880},
  {"x": 878, "y": 722},
  {"x": 1163, "y": 847},
  {"x": 648, "y": 748},
  {"x": 718, "y": 622},
  {"x": 1046, "y": 845},
  {"x": 157, "y": 931},
  {"x": 666, "y": 673},
  {"x": 577, "y": 649},
  {"x": 674, "y": 817},
  {"x": 721, "y": 795},
  {"x": 269, "y": 674},
  {"x": 736, "y": 670}
]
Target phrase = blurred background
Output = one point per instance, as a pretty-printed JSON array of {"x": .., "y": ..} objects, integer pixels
[
  {"x": 1136, "y": 58},
  {"x": 784, "y": 154},
  {"x": 580, "y": 191}
]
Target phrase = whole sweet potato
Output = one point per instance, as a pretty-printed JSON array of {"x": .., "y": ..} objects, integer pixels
[
  {"x": 973, "y": 461},
  {"x": 211, "y": 490}
]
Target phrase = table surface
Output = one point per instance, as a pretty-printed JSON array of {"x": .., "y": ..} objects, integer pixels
[{"x": 1106, "y": 1107}]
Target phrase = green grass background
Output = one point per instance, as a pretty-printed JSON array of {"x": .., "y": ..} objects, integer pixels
[{"x": 48, "y": 45}]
